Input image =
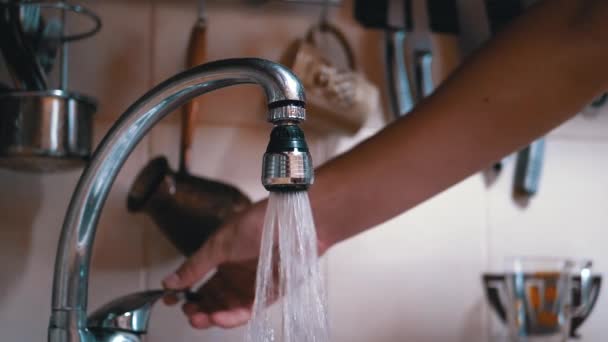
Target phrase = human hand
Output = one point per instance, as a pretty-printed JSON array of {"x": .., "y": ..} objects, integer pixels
[{"x": 226, "y": 299}]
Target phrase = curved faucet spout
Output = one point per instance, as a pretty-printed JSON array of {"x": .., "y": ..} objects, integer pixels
[{"x": 286, "y": 105}]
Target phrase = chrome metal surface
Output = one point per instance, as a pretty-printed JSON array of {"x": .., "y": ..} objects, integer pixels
[
  {"x": 585, "y": 288},
  {"x": 287, "y": 170},
  {"x": 70, "y": 287},
  {"x": 400, "y": 92},
  {"x": 117, "y": 336},
  {"x": 30, "y": 16},
  {"x": 46, "y": 49},
  {"x": 65, "y": 52},
  {"x": 287, "y": 113},
  {"x": 130, "y": 313},
  {"x": 529, "y": 168},
  {"x": 424, "y": 73},
  {"x": 66, "y": 6},
  {"x": 45, "y": 131}
]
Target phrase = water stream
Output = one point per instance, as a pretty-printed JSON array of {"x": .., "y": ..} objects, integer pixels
[{"x": 288, "y": 271}]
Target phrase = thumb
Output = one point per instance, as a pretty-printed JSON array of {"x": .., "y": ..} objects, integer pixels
[{"x": 195, "y": 267}]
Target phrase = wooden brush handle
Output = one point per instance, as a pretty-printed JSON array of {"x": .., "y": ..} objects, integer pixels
[{"x": 197, "y": 54}]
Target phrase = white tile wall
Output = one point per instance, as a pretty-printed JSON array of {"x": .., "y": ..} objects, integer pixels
[{"x": 414, "y": 278}]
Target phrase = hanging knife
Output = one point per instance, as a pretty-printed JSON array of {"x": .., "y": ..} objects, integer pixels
[
  {"x": 395, "y": 18},
  {"x": 529, "y": 168}
]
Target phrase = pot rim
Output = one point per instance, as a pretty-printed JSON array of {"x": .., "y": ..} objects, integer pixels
[{"x": 58, "y": 93}]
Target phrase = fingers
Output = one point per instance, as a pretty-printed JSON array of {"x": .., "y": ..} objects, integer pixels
[
  {"x": 170, "y": 299},
  {"x": 226, "y": 319},
  {"x": 195, "y": 268},
  {"x": 231, "y": 318},
  {"x": 200, "y": 321},
  {"x": 223, "y": 319},
  {"x": 218, "y": 304}
]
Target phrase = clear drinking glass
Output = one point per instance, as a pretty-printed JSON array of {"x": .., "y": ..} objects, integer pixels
[{"x": 539, "y": 307}]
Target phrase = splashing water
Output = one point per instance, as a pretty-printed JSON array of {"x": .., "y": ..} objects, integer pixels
[{"x": 291, "y": 276}]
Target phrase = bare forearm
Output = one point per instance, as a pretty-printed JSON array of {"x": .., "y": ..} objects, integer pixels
[{"x": 525, "y": 82}]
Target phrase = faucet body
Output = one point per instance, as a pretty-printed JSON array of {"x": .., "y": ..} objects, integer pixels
[{"x": 286, "y": 100}]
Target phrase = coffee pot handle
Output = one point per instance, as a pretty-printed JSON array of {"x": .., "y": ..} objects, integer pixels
[{"x": 586, "y": 287}]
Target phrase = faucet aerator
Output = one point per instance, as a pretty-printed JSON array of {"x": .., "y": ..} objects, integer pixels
[{"x": 287, "y": 164}]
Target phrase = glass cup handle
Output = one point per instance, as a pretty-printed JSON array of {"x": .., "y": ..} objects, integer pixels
[{"x": 585, "y": 289}]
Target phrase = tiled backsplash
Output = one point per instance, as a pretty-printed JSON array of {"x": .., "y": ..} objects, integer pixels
[{"x": 415, "y": 278}]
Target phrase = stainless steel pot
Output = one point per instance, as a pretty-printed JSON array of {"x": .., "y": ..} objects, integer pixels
[{"x": 45, "y": 131}]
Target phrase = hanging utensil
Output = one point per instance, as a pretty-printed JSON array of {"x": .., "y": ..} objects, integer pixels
[
  {"x": 48, "y": 45},
  {"x": 50, "y": 129},
  {"x": 338, "y": 93},
  {"x": 30, "y": 16},
  {"x": 395, "y": 18},
  {"x": 435, "y": 50},
  {"x": 399, "y": 87},
  {"x": 186, "y": 208},
  {"x": 197, "y": 54},
  {"x": 529, "y": 168},
  {"x": 17, "y": 49}
]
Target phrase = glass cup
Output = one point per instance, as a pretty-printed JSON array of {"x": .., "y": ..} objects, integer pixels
[{"x": 539, "y": 307}]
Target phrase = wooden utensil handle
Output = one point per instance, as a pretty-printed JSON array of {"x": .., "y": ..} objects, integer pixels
[{"x": 197, "y": 54}]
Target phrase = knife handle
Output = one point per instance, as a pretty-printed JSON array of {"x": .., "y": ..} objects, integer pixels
[
  {"x": 529, "y": 168},
  {"x": 197, "y": 54},
  {"x": 399, "y": 88}
]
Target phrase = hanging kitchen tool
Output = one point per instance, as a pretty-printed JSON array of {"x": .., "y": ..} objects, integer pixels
[
  {"x": 436, "y": 50},
  {"x": 197, "y": 54},
  {"x": 42, "y": 129},
  {"x": 17, "y": 23},
  {"x": 529, "y": 162},
  {"x": 338, "y": 94},
  {"x": 48, "y": 44},
  {"x": 395, "y": 18},
  {"x": 529, "y": 167},
  {"x": 417, "y": 57},
  {"x": 187, "y": 209}
]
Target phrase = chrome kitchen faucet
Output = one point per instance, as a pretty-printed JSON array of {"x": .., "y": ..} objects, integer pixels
[{"x": 287, "y": 165}]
